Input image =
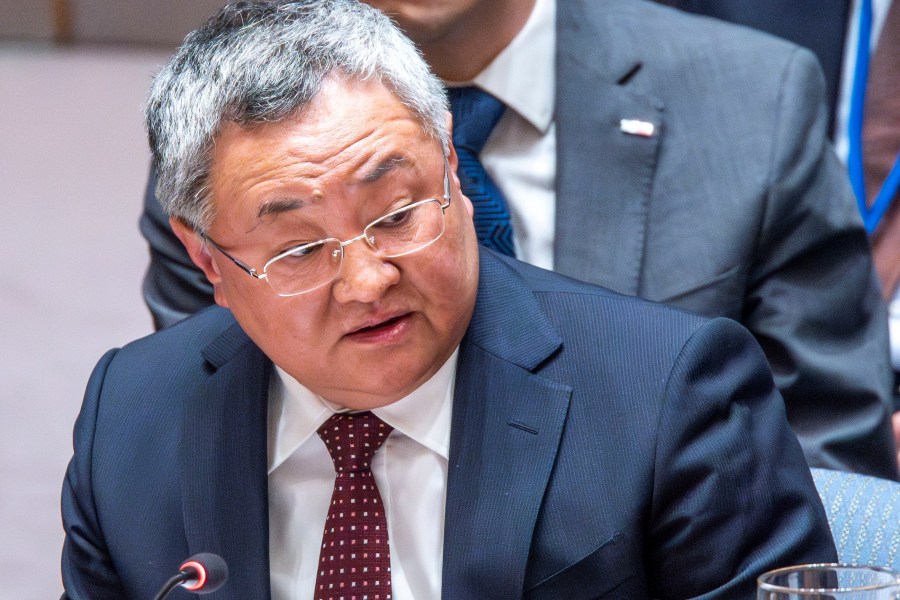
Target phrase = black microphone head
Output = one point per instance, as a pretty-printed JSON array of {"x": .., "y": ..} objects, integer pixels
[{"x": 207, "y": 572}]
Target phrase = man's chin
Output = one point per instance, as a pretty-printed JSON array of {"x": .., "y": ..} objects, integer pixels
[{"x": 378, "y": 386}]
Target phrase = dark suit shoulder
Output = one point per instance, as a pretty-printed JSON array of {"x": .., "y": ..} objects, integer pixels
[
  {"x": 550, "y": 287},
  {"x": 169, "y": 362},
  {"x": 528, "y": 308},
  {"x": 186, "y": 336}
]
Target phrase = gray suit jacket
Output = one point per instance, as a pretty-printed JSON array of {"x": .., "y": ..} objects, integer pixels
[
  {"x": 735, "y": 207},
  {"x": 820, "y": 25}
]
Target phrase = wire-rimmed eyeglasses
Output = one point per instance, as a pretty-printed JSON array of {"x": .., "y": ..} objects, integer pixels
[{"x": 308, "y": 267}]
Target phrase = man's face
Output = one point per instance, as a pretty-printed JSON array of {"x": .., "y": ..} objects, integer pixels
[
  {"x": 458, "y": 37},
  {"x": 384, "y": 326},
  {"x": 425, "y": 20}
]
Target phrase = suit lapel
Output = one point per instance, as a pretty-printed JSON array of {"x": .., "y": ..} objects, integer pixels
[
  {"x": 224, "y": 464},
  {"x": 507, "y": 423},
  {"x": 604, "y": 175}
]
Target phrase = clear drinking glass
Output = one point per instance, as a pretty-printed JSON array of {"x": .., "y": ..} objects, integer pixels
[{"x": 829, "y": 582}]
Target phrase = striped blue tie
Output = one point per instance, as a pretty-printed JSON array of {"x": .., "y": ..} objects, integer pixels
[{"x": 475, "y": 112}]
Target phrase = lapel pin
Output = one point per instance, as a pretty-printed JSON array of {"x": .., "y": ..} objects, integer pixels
[{"x": 636, "y": 127}]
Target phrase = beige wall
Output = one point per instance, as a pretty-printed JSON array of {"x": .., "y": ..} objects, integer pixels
[
  {"x": 26, "y": 19},
  {"x": 73, "y": 166},
  {"x": 143, "y": 22}
]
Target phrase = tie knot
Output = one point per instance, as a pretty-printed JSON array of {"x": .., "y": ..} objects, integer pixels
[
  {"x": 352, "y": 439},
  {"x": 475, "y": 112}
]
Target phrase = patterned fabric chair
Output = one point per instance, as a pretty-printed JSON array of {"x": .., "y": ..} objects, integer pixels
[{"x": 864, "y": 515}]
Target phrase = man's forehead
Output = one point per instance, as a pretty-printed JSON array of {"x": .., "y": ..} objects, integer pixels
[
  {"x": 359, "y": 126},
  {"x": 360, "y": 99},
  {"x": 368, "y": 174},
  {"x": 345, "y": 116}
]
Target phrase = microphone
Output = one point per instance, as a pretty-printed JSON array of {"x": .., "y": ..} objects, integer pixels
[{"x": 202, "y": 573}]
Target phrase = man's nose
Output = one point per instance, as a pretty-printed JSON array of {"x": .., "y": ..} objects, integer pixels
[{"x": 365, "y": 276}]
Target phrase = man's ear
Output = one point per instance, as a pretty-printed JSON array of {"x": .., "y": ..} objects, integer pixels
[
  {"x": 453, "y": 161},
  {"x": 199, "y": 252},
  {"x": 451, "y": 158}
]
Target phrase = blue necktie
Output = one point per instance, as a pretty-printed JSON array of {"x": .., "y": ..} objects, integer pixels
[{"x": 475, "y": 112}]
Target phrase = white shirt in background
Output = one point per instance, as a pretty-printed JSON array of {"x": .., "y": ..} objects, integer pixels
[{"x": 520, "y": 154}]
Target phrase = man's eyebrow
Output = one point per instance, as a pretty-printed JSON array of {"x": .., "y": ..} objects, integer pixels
[
  {"x": 282, "y": 205},
  {"x": 279, "y": 205},
  {"x": 384, "y": 167}
]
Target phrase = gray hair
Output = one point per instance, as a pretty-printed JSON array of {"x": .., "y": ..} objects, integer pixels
[{"x": 256, "y": 62}]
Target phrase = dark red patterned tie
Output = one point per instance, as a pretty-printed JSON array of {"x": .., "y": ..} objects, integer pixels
[{"x": 355, "y": 560}]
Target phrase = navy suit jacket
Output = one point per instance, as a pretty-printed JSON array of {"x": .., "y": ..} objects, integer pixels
[{"x": 601, "y": 447}]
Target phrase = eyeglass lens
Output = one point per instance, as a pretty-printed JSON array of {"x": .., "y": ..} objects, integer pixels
[{"x": 398, "y": 233}]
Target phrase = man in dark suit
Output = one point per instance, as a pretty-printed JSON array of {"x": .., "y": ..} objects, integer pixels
[
  {"x": 679, "y": 160},
  {"x": 545, "y": 438}
]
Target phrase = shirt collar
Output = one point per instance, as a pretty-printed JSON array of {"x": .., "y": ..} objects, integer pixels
[
  {"x": 522, "y": 75},
  {"x": 295, "y": 413}
]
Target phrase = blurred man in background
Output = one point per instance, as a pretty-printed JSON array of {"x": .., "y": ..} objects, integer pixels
[{"x": 660, "y": 155}]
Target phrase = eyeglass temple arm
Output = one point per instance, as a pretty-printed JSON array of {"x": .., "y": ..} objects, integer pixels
[
  {"x": 446, "y": 184},
  {"x": 249, "y": 270}
]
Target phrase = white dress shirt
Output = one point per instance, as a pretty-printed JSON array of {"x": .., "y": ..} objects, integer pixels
[
  {"x": 410, "y": 470},
  {"x": 411, "y": 467},
  {"x": 520, "y": 154}
]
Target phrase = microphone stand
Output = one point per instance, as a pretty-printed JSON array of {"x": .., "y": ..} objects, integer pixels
[{"x": 171, "y": 584}]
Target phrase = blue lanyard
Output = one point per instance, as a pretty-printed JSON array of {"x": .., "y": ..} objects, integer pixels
[{"x": 871, "y": 216}]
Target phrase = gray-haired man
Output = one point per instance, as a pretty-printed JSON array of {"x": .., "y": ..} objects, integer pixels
[{"x": 380, "y": 409}]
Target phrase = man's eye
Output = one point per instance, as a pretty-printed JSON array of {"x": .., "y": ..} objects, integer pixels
[
  {"x": 397, "y": 219},
  {"x": 302, "y": 251}
]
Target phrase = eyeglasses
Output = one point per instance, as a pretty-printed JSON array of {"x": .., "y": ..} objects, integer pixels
[{"x": 308, "y": 267}]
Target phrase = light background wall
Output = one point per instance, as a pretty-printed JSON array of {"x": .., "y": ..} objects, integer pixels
[
  {"x": 131, "y": 22},
  {"x": 73, "y": 164}
]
